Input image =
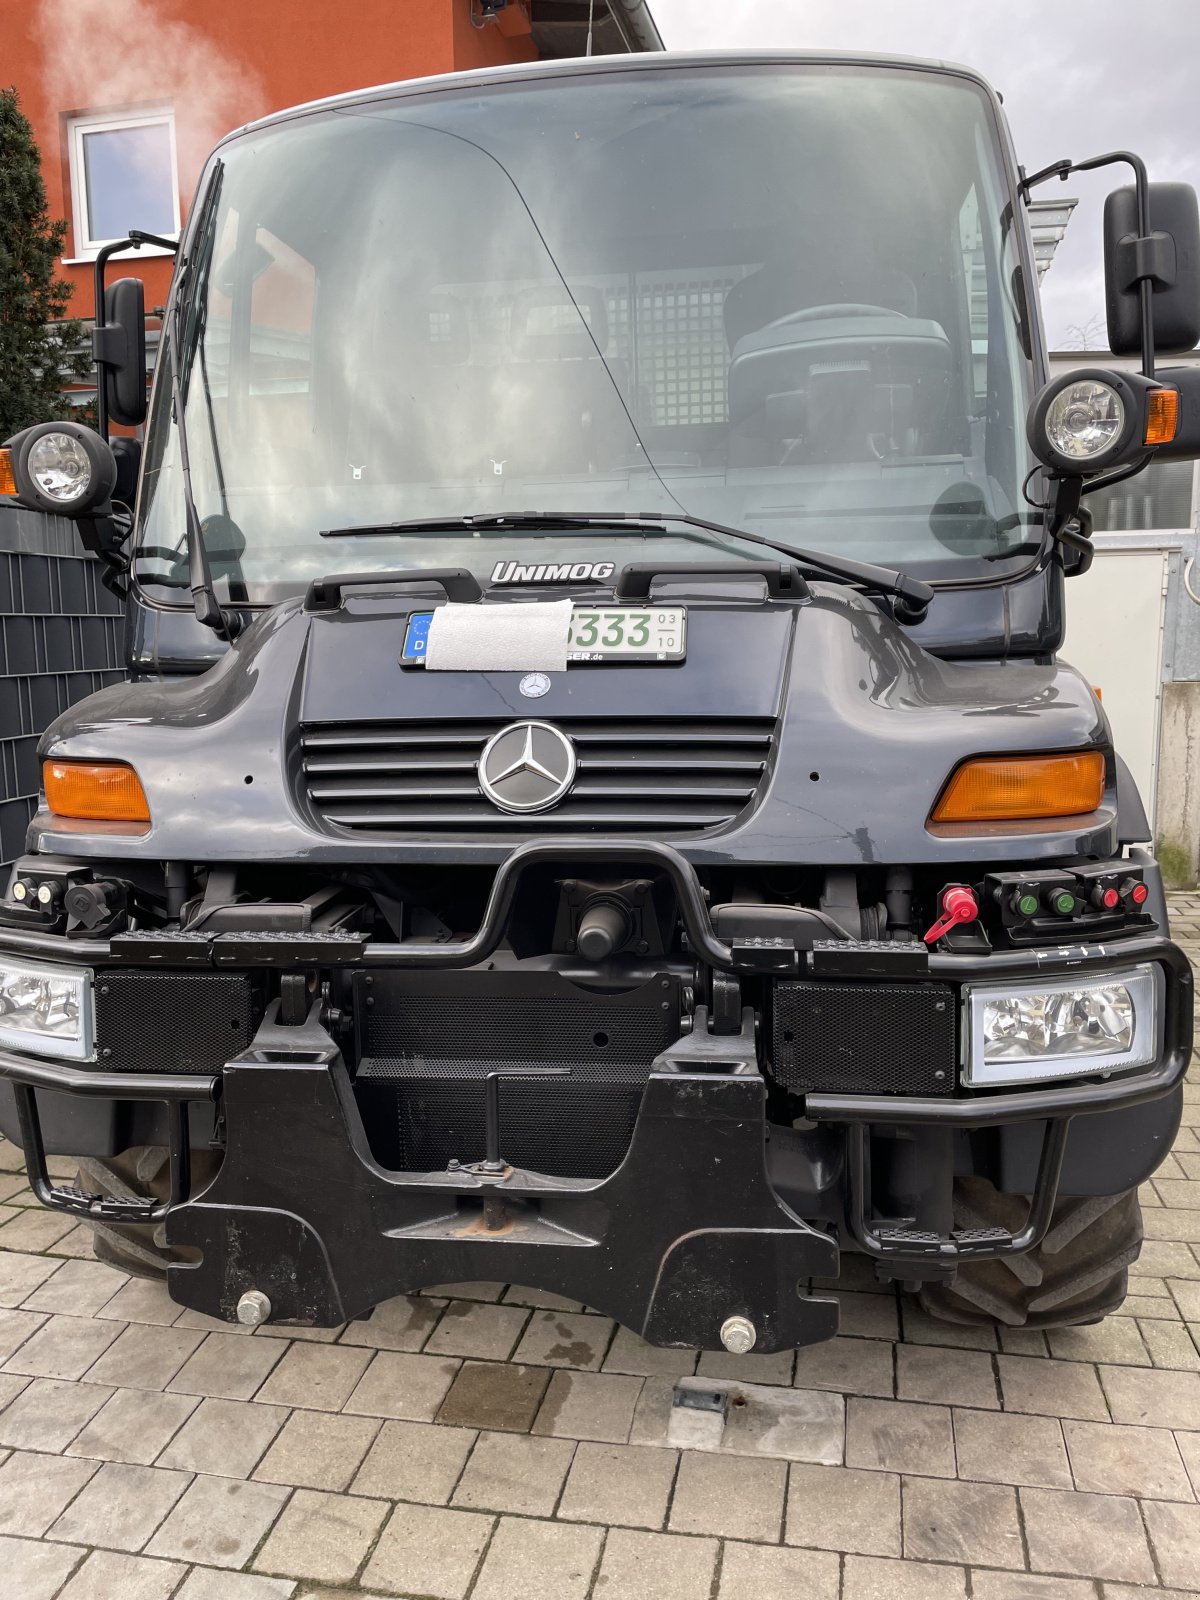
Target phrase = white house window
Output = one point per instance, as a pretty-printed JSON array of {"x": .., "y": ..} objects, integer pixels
[{"x": 123, "y": 175}]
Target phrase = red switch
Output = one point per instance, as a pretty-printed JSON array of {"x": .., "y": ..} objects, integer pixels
[{"x": 958, "y": 904}]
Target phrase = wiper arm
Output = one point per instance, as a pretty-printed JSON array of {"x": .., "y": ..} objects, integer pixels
[
  {"x": 227, "y": 623},
  {"x": 910, "y": 596}
]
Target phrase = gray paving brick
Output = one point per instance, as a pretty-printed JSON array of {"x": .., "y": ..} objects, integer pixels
[
  {"x": 1116, "y": 1339},
  {"x": 34, "y": 1230},
  {"x": 427, "y": 1551},
  {"x": 496, "y": 1398},
  {"x": 734, "y": 1497},
  {"x": 898, "y": 1436},
  {"x": 867, "y": 1578},
  {"x": 12, "y": 1157},
  {"x": 1011, "y": 1448},
  {"x": 841, "y": 1508},
  {"x": 218, "y": 1522},
  {"x": 120, "y": 1507},
  {"x": 1099, "y": 1536},
  {"x": 399, "y": 1385},
  {"x": 1153, "y": 1398},
  {"x": 16, "y": 1329},
  {"x": 624, "y": 1484},
  {"x": 656, "y": 1566},
  {"x": 514, "y": 1472},
  {"x": 414, "y": 1461},
  {"x": 227, "y": 1367},
  {"x": 922, "y": 1329},
  {"x": 79, "y": 1288},
  {"x": 36, "y": 1571},
  {"x": 1175, "y": 1534},
  {"x": 144, "y": 1357},
  {"x": 1051, "y": 1388},
  {"x": 400, "y": 1324},
  {"x": 133, "y": 1426},
  {"x": 227, "y": 1438},
  {"x": 323, "y": 1536},
  {"x": 48, "y": 1413},
  {"x": 34, "y": 1489},
  {"x": 562, "y": 1557},
  {"x": 20, "y": 1275},
  {"x": 589, "y": 1405},
  {"x": 774, "y": 1368},
  {"x": 477, "y": 1330},
  {"x": 565, "y": 1339},
  {"x": 953, "y": 1377},
  {"x": 758, "y": 1572},
  {"x": 1027, "y": 1586},
  {"x": 1108, "y": 1458},
  {"x": 972, "y": 1523},
  {"x": 847, "y": 1366},
  {"x": 318, "y": 1377},
  {"x": 538, "y": 1299},
  {"x": 1171, "y": 1345},
  {"x": 207, "y": 1583},
  {"x": 629, "y": 1353},
  {"x": 316, "y": 1451},
  {"x": 111, "y": 1575},
  {"x": 1189, "y": 1448},
  {"x": 868, "y": 1316},
  {"x": 141, "y": 1300}
]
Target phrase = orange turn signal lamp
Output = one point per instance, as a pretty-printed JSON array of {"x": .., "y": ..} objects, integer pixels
[
  {"x": 1162, "y": 416},
  {"x": 1022, "y": 788},
  {"x": 8, "y": 482},
  {"x": 95, "y": 791}
]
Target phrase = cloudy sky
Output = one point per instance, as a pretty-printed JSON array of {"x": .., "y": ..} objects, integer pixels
[{"x": 1077, "y": 80}]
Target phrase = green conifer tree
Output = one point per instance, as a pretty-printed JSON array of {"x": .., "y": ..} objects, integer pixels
[{"x": 36, "y": 343}]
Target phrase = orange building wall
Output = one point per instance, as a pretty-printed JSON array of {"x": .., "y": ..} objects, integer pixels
[{"x": 219, "y": 64}]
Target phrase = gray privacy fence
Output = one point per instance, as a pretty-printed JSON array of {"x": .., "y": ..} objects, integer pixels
[{"x": 60, "y": 639}]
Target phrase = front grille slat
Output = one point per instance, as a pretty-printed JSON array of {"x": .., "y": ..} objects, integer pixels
[{"x": 632, "y": 777}]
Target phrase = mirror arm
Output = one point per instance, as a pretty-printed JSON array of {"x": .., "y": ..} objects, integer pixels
[{"x": 1141, "y": 179}]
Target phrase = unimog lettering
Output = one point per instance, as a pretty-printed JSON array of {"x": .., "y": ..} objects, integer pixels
[{"x": 564, "y": 572}]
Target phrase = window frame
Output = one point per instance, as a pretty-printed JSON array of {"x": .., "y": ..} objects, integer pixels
[{"x": 85, "y": 247}]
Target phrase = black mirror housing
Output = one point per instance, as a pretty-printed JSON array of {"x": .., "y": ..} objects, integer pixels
[
  {"x": 120, "y": 351},
  {"x": 1171, "y": 259}
]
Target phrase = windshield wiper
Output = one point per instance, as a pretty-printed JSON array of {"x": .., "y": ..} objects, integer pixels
[
  {"x": 228, "y": 624},
  {"x": 910, "y": 597}
]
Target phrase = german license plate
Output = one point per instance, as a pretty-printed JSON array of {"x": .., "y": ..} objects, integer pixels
[{"x": 648, "y": 633}]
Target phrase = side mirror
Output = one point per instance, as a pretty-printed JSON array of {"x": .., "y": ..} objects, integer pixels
[
  {"x": 62, "y": 468},
  {"x": 119, "y": 346},
  {"x": 1169, "y": 257}
]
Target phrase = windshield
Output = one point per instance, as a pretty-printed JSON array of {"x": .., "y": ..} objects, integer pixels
[{"x": 784, "y": 299}]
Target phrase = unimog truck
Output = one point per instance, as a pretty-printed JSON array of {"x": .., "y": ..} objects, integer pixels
[{"x": 596, "y": 803}]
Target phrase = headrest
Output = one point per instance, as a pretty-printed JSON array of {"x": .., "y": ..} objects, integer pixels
[{"x": 547, "y": 325}]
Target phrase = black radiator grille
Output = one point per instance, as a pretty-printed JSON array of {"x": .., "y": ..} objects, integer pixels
[
  {"x": 172, "y": 1021},
  {"x": 652, "y": 775},
  {"x": 430, "y": 1039},
  {"x": 860, "y": 1038}
]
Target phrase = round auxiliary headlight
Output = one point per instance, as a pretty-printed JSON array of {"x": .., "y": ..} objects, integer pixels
[
  {"x": 1085, "y": 420},
  {"x": 60, "y": 467}
]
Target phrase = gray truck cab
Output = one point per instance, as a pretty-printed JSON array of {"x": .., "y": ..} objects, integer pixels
[{"x": 597, "y": 802}]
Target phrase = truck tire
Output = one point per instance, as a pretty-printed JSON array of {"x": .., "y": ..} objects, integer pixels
[
  {"x": 1078, "y": 1274},
  {"x": 139, "y": 1248}
]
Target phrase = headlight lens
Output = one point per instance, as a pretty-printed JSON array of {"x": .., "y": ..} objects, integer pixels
[
  {"x": 60, "y": 467},
  {"x": 1059, "y": 1030},
  {"x": 45, "y": 1010},
  {"x": 1085, "y": 420}
]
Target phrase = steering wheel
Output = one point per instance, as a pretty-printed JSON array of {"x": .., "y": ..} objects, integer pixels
[{"x": 819, "y": 313}]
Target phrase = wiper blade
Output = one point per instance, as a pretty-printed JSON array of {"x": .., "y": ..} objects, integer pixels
[{"x": 910, "y": 596}]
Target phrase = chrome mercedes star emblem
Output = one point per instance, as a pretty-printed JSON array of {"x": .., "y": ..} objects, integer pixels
[
  {"x": 534, "y": 685},
  {"x": 527, "y": 766}
]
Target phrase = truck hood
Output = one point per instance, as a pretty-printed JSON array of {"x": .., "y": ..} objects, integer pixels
[{"x": 863, "y": 727}]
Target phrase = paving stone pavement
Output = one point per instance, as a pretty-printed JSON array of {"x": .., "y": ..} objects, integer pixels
[{"x": 477, "y": 1440}]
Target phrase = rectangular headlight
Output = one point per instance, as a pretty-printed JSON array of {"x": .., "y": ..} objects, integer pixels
[
  {"x": 1067, "y": 1029},
  {"x": 45, "y": 1010}
]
